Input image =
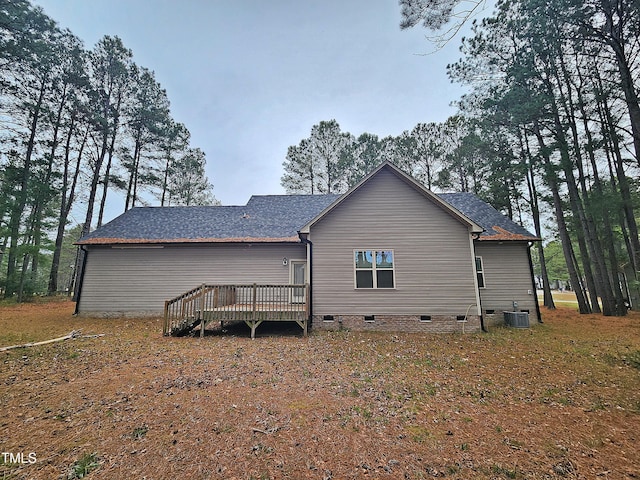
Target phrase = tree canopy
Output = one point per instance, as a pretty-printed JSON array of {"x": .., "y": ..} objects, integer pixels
[{"x": 77, "y": 125}]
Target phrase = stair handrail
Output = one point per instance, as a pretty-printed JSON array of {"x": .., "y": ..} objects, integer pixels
[
  {"x": 187, "y": 309},
  {"x": 182, "y": 299}
]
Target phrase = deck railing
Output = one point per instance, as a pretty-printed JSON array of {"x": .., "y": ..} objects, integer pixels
[{"x": 252, "y": 304}]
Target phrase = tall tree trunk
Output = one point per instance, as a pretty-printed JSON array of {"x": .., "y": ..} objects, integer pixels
[
  {"x": 165, "y": 179},
  {"x": 68, "y": 197},
  {"x": 43, "y": 198},
  {"x": 107, "y": 172},
  {"x": 614, "y": 38},
  {"x": 21, "y": 196},
  {"x": 105, "y": 188},
  {"x": 605, "y": 213},
  {"x": 134, "y": 197},
  {"x": 583, "y": 234},
  {"x": 535, "y": 212},
  {"x": 613, "y": 144},
  {"x": 565, "y": 240},
  {"x": 131, "y": 187},
  {"x": 574, "y": 202},
  {"x": 93, "y": 189},
  {"x": 23, "y": 278},
  {"x": 613, "y": 301},
  {"x": 567, "y": 249},
  {"x": 28, "y": 238},
  {"x": 581, "y": 201}
]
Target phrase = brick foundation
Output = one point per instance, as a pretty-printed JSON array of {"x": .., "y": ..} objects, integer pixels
[
  {"x": 494, "y": 319},
  {"x": 398, "y": 323}
]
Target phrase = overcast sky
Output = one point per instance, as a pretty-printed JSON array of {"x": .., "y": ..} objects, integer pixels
[{"x": 251, "y": 77}]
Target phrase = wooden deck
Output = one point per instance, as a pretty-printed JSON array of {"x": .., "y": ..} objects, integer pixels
[{"x": 252, "y": 304}]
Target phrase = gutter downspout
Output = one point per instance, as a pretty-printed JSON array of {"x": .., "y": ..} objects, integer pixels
[
  {"x": 533, "y": 282},
  {"x": 474, "y": 237},
  {"x": 81, "y": 278},
  {"x": 309, "y": 243}
]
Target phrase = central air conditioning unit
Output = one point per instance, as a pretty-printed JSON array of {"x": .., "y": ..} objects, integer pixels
[{"x": 517, "y": 319}]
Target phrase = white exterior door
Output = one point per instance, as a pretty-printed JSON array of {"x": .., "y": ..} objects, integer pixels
[{"x": 298, "y": 277}]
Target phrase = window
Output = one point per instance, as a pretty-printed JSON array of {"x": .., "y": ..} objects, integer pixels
[
  {"x": 374, "y": 269},
  {"x": 480, "y": 272}
]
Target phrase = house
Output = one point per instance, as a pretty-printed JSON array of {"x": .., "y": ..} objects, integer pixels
[{"x": 387, "y": 255}]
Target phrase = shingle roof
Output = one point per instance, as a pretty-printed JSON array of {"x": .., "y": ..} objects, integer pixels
[
  {"x": 266, "y": 218},
  {"x": 270, "y": 218},
  {"x": 496, "y": 225}
]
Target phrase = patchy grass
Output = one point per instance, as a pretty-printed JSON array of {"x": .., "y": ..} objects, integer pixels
[
  {"x": 565, "y": 299},
  {"x": 559, "y": 400},
  {"x": 83, "y": 466}
]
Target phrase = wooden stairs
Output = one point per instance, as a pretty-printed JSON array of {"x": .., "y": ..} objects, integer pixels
[
  {"x": 186, "y": 327},
  {"x": 252, "y": 304}
]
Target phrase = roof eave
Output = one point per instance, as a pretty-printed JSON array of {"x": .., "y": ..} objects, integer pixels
[
  {"x": 179, "y": 241},
  {"x": 503, "y": 235},
  {"x": 513, "y": 237}
]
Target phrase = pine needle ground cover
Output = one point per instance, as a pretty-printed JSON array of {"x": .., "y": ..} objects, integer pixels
[{"x": 559, "y": 400}]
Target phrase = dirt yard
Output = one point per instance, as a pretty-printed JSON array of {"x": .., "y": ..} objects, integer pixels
[{"x": 560, "y": 400}]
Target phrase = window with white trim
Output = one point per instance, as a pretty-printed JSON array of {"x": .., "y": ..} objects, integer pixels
[
  {"x": 480, "y": 272},
  {"x": 374, "y": 268}
]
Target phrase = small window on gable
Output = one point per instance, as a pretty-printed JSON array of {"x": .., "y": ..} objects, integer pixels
[
  {"x": 480, "y": 272},
  {"x": 374, "y": 269}
]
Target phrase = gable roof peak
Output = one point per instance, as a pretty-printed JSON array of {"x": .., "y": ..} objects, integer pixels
[{"x": 409, "y": 180}]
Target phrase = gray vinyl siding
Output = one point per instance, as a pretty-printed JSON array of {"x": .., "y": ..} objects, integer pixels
[
  {"x": 136, "y": 280},
  {"x": 434, "y": 265},
  {"x": 507, "y": 277}
]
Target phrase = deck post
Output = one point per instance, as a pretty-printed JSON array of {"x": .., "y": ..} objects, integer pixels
[
  {"x": 253, "y": 325},
  {"x": 255, "y": 300},
  {"x": 201, "y": 315},
  {"x": 165, "y": 326},
  {"x": 254, "y": 321},
  {"x": 303, "y": 325}
]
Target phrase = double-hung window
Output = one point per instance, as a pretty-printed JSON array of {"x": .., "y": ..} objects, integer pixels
[
  {"x": 480, "y": 272},
  {"x": 374, "y": 269}
]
